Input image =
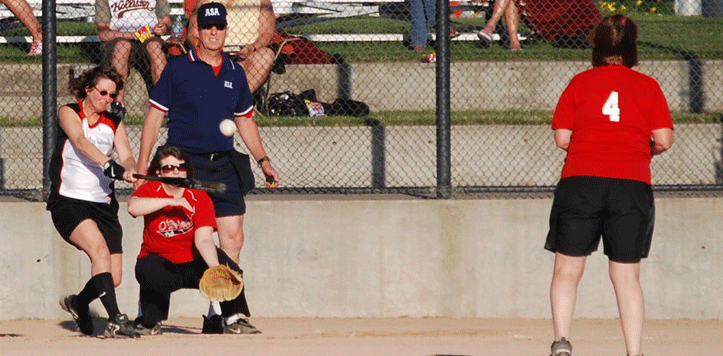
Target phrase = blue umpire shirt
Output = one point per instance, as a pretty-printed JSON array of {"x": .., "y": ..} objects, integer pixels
[{"x": 197, "y": 101}]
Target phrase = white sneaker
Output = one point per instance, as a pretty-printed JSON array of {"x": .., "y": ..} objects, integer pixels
[{"x": 36, "y": 49}]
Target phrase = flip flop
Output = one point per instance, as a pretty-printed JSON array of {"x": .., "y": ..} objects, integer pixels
[{"x": 484, "y": 36}]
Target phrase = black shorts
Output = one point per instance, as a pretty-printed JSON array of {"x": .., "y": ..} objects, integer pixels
[
  {"x": 68, "y": 213},
  {"x": 620, "y": 211},
  {"x": 220, "y": 169}
]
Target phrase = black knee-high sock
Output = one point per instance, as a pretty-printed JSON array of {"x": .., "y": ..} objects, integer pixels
[
  {"x": 106, "y": 293},
  {"x": 87, "y": 295},
  {"x": 101, "y": 285}
]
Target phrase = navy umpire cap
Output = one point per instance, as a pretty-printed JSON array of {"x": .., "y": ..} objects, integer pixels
[{"x": 211, "y": 14}]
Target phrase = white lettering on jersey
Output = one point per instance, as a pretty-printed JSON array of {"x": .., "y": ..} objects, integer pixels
[
  {"x": 172, "y": 227},
  {"x": 611, "y": 107},
  {"x": 228, "y": 84}
]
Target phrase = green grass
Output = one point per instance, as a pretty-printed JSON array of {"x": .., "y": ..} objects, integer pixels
[
  {"x": 661, "y": 37},
  {"x": 471, "y": 117},
  {"x": 413, "y": 118},
  {"x": 66, "y": 53}
]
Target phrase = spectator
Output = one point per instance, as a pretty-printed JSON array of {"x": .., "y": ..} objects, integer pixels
[
  {"x": 568, "y": 23},
  {"x": 22, "y": 10},
  {"x": 120, "y": 24},
  {"x": 508, "y": 9},
  {"x": 423, "y": 14},
  {"x": 177, "y": 245},
  {"x": 252, "y": 25}
]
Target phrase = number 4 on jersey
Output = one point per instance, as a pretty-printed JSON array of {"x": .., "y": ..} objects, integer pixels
[{"x": 611, "y": 108}]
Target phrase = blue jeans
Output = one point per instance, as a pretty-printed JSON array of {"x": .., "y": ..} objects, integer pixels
[{"x": 423, "y": 13}]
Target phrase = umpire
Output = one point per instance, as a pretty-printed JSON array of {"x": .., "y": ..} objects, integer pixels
[{"x": 197, "y": 91}]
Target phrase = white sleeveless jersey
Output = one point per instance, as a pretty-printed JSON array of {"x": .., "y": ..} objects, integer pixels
[
  {"x": 75, "y": 176},
  {"x": 130, "y": 15}
]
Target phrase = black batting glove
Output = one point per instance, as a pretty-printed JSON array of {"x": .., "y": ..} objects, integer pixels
[{"x": 113, "y": 170}]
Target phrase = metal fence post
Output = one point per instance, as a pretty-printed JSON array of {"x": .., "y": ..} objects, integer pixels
[
  {"x": 50, "y": 90},
  {"x": 378, "y": 154},
  {"x": 444, "y": 177}
]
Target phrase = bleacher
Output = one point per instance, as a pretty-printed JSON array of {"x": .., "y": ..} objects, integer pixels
[{"x": 84, "y": 10}]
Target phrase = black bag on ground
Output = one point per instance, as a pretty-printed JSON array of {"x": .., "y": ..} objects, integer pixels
[
  {"x": 347, "y": 107},
  {"x": 308, "y": 94},
  {"x": 242, "y": 165},
  {"x": 287, "y": 104},
  {"x": 290, "y": 104}
]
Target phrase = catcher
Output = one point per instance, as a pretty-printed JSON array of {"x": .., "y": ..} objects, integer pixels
[{"x": 178, "y": 250}]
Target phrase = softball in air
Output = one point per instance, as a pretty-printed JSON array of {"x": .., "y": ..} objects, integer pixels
[{"x": 227, "y": 127}]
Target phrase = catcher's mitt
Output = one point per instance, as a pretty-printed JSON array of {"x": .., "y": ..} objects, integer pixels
[{"x": 221, "y": 283}]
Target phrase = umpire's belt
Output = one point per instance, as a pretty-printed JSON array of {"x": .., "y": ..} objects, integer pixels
[{"x": 213, "y": 156}]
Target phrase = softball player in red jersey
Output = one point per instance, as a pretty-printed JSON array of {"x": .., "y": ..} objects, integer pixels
[
  {"x": 177, "y": 244},
  {"x": 611, "y": 120}
]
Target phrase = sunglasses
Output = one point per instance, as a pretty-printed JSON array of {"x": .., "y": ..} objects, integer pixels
[
  {"x": 105, "y": 92},
  {"x": 218, "y": 27},
  {"x": 170, "y": 167}
]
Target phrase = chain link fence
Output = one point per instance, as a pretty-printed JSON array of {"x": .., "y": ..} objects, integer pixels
[{"x": 363, "y": 63}]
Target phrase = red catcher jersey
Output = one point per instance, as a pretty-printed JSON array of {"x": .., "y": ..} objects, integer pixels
[
  {"x": 612, "y": 111},
  {"x": 169, "y": 231}
]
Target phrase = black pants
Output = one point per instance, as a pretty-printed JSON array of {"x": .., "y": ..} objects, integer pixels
[{"x": 159, "y": 277}]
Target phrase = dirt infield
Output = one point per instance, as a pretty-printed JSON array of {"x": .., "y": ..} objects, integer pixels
[{"x": 400, "y": 336}]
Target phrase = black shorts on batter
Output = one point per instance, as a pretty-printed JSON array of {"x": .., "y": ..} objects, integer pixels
[
  {"x": 620, "y": 211},
  {"x": 68, "y": 213},
  {"x": 218, "y": 168}
]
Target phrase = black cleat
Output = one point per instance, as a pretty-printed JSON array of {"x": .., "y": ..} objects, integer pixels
[
  {"x": 155, "y": 330},
  {"x": 212, "y": 325},
  {"x": 81, "y": 317},
  {"x": 241, "y": 326},
  {"x": 120, "y": 328}
]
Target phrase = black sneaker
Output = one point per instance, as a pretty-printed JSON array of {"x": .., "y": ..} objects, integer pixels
[
  {"x": 82, "y": 317},
  {"x": 241, "y": 326},
  {"x": 120, "y": 328},
  {"x": 142, "y": 330},
  {"x": 117, "y": 109},
  {"x": 212, "y": 325}
]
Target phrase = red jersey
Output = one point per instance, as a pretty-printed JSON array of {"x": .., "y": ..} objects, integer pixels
[
  {"x": 169, "y": 231},
  {"x": 612, "y": 111}
]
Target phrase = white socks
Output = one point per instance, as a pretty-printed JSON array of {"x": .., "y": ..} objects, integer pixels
[
  {"x": 214, "y": 308},
  {"x": 232, "y": 319}
]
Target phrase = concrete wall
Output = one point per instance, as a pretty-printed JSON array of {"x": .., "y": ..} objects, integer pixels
[
  {"x": 387, "y": 257},
  {"x": 506, "y": 85}
]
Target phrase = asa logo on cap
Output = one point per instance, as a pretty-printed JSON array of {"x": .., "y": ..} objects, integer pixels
[{"x": 212, "y": 11}]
